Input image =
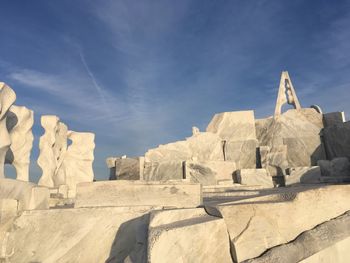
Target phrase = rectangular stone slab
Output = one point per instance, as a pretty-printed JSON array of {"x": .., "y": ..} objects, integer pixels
[
  {"x": 163, "y": 171},
  {"x": 136, "y": 193},
  {"x": 258, "y": 224},
  {"x": 254, "y": 177}
]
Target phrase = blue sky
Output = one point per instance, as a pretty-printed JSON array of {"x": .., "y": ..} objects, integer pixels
[{"x": 142, "y": 73}]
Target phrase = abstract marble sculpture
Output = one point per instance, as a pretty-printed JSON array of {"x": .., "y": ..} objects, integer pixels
[
  {"x": 7, "y": 98},
  {"x": 20, "y": 121}
]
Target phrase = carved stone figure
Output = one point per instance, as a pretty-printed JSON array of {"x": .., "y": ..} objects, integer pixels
[
  {"x": 286, "y": 94},
  {"x": 47, "y": 158},
  {"x": 7, "y": 98},
  {"x": 19, "y": 123},
  {"x": 59, "y": 150}
]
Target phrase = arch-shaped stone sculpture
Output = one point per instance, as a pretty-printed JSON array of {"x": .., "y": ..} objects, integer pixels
[{"x": 286, "y": 94}]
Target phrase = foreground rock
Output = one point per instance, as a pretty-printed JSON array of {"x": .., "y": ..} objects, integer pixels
[
  {"x": 109, "y": 234},
  {"x": 187, "y": 235},
  {"x": 310, "y": 242},
  {"x": 258, "y": 224},
  {"x": 138, "y": 193}
]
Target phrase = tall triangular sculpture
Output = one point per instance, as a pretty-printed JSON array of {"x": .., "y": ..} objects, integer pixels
[{"x": 286, "y": 94}]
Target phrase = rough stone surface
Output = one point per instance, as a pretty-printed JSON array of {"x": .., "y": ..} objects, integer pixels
[
  {"x": 110, "y": 234},
  {"x": 233, "y": 126},
  {"x": 29, "y": 195},
  {"x": 304, "y": 175},
  {"x": 19, "y": 124},
  {"x": 136, "y": 193},
  {"x": 338, "y": 167},
  {"x": 258, "y": 224},
  {"x": 8, "y": 209},
  {"x": 254, "y": 177},
  {"x": 277, "y": 161},
  {"x": 60, "y": 150},
  {"x": 211, "y": 172},
  {"x": 7, "y": 98},
  {"x": 309, "y": 242},
  {"x": 243, "y": 153},
  {"x": 338, "y": 253},
  {"x": 78, "y": 160},
  {"x": 305, "y": 151},
  {"x": 187, "y": 235},
  {"x": 262, "y": 162},
  {"x": 333, "y": 118},
  {"x": 163, "y": 171},
  {"x": 126, "y": 169},
  {"x": 337, "y": 140},
  {"x": 202, "y": 146}
]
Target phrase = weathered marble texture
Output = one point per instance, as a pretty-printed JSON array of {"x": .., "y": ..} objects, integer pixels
[
  {"x": 201, "y": 146},
  {"x": 277, "y": 161},
  {"x": 310, "y": 242},
  {"x": 163, "y": 171},
  {"x": 124, "y": 168},
  {"x": 243, "y": 153},
  {"x": 103, "y": 234},
  {"x": 233, "y": 126},
  {"x": 7, "y": 98},
  {"x": 337, "y": 140},
  {"x": 47, "y": 159},
  {"x": 138, "y": 193},
  {"x": 210, "y": 172},
  {"x": 77, "y": 163},
  {"x": 19, "y": 123},
  {"x": 305, "y": 151},
  {"x": 257, "y": 224},
  {"x": 187, "y": 235},
  {"x": 304, "y": 175},
  {"x": 254, "y": 177}
]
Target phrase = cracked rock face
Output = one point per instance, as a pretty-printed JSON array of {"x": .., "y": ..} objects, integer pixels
[{"x": 258, "y": 224}]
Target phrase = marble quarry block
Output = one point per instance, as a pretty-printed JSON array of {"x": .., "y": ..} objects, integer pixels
[
  {"x": 254, "y": 177},
  {"x": 124, "y": 168},
  {"x": 19, "y": 123},
  {"x": 312, "y": 242},
  {"x": 77, "y": 163},
  {"x": 249, "y": 221},
  {"x": 303, "y": 123},
  {"x": 337, "y": 140},
  {"x": 304, "y": 175},
  {"x": 233, "y": 126},
  {"x": 103, "y": 234},
  {"x": 333, "y": 118},
  {"x": 7, "y": 98},
  {"x": 163, "y": 171},
  {"x": 201, "y": 146},
  {"x": 47, "y": 159},
  {"x": 187, "y": 235},
  {"x": 29, "y": 195},
  {"x": 211, "y": 172},
  {"x": 304, "y": 151},
  {"x": 243, "y": 153},
  {"x": 277, "y": 161},
  {"x": 137, "y": 193},
  {"x": 8, "y": 209},
  {"x": 338, "y": 167},
  {"x": 262, "y": 156}
]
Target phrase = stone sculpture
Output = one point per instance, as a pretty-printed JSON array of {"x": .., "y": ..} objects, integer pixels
[
  {"x": 77, "y": 163},
  {"x": 20, "y": 121},
  {"x": 47, "y": 159},
  {"x": 286, "y": 94},
  {"x": 7, "y": 98},
  {"x": 59, "y": 150}
]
